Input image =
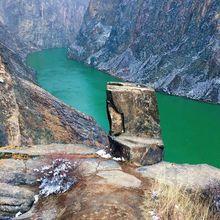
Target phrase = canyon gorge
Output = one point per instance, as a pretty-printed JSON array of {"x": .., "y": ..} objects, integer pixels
[
  {"x": 170, "y": 45},
  {"x": 57, "y": 162}
]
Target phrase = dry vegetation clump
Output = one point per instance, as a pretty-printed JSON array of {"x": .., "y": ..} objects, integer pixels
[
  {"x": 58, "y": 177},
  {"x": 175, "y": 203}
]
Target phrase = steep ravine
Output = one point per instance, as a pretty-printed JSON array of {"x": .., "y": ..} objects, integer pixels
[
  {"x": 171, "y": 45},
  {"x": 43, "y": 23},
  {"x": 28, "y": 114}
]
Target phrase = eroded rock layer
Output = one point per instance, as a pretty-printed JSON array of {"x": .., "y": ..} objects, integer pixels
[{"x": 173, "y": 45}]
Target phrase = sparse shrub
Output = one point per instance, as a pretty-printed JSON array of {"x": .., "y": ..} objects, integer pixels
[{"x": 58, "y": 177}]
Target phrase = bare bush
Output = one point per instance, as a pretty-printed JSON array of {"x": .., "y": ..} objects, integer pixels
[{"x": 58, "y": 177}]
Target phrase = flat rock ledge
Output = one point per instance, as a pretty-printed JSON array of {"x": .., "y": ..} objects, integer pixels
[
  {"x": 133, "y": 115},
  {"x": 18, "y": 177},
  {"x": 191, "y": 177}
]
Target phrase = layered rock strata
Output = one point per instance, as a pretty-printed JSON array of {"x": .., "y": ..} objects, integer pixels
[{"x": 134, "y": 123}]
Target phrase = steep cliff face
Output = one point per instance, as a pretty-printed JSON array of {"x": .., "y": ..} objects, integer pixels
[
  {"x": 12, "y": 51},
  {"x": 43, "y": 23},
  {"x": 172, "y": 45},
  {"x": 29, "y": 115}
]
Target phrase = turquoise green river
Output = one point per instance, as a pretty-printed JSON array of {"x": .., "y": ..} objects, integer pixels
[{"x": 190, "y": 129}]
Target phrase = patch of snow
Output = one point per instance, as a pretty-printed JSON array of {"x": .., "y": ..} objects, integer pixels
[
  {"x": 36, "y": 198},
  {"x": 217, "y": 203},
  {"x": 103, "y": 33},
  {"x": 103, "y": 154},
  {"x": 56, "y": 178},
  {"x": 1, "y": 80},
  {"x": 177, "y": 207},
  {"x": 18, "y": 214},
  {"x": 118, "y": 158},
  {"x": 154, "y": 215},
  {"x": 154, "y": 195}
]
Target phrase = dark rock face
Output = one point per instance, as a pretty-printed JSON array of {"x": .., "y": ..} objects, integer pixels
[
  {"x": 29, "y": 115},
  {"x": 173, "y": 45},
  {"x": 42, "y": 23},
  {"x": 134, "y": 123}
]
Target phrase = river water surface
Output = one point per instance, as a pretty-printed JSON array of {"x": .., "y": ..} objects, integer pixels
[{"x": 191, "y": 129}]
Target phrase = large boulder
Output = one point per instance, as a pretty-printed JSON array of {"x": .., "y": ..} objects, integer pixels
[
  {"x": 192, "y": 177},
  {"x": 134, "y": 123}
]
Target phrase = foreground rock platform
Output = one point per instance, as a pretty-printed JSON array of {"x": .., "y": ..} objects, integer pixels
[
  {"x": 135, "y": 132},
  {"x": 101, "y": 179},
  {"x": 108, "y": 189}
]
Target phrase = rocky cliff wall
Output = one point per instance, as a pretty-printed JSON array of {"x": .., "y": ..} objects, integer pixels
[
  {"x": 43, "y": 23},
  {"x": 29, "y": 115},
  {"x": 172, "y": 45}
]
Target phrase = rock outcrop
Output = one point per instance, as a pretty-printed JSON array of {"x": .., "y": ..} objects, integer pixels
[
  {"x": 14, "y": 199},
  {"x": 171, "y": 45},
  {"x": 43, "y": 24},
  {"x": 134, "y": 123},
  {"x": 191, "y": 177}
]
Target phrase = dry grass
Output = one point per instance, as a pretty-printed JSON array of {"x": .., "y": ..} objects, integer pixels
[{"x": 171, "y": 203}]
